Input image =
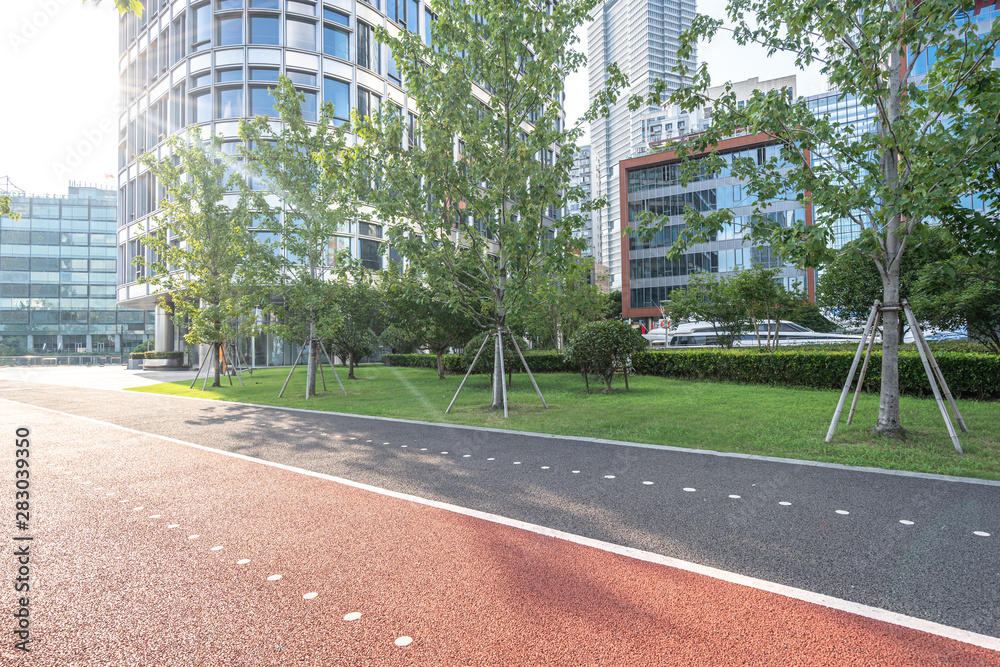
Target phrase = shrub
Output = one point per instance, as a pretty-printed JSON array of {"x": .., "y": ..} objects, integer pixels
[
  {"x": 969, "y": 374},
  {"x": 141, "y": 347},
  {"x": 163, "y": 355},
  {"x": 603, "y": 348}
]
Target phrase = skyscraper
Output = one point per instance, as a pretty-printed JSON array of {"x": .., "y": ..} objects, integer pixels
[{"x": 642, "y": 37}]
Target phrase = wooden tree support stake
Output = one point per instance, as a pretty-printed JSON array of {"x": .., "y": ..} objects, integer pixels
[
  {"x": 471, "y": 366},
  {"x": 528, "y": 370},
  {"x": 854, "y": 368},
  {"x": 864, "y": 368},
  {"x": 322, "y": 346}
]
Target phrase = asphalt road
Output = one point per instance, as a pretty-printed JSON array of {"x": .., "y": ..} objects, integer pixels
[{"x": 832, "y": 531}]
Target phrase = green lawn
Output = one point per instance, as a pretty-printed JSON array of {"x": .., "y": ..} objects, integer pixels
[{"x": 771, "y": 421}]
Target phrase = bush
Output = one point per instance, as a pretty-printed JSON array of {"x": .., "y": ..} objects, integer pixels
[
  {"x": 538, "y": 362},
  {"x": 968, "y": 374},
  {"x": 603, "y": 348},
  {"x": 140, "y": 348},
  {"x": 163, "y": 355}
]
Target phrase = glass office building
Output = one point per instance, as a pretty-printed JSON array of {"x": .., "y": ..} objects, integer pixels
[
  {"x": 651, "y": 183},
  {"x": 210, "y": 63},
  {"x": 57, "y": 275}
]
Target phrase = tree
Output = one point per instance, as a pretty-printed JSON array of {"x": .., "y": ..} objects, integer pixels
[
  {"x": 427, "y": 322},
  {"x": 711, "y": 298},
  {"x": 561, "y": 305},
  {"x": 5, "y": 208},
  {"x": 614, "y": 305},
  {"x": 603, "y": 348},
  {"x": 360, "y": 307},
  {"x": 123, "y": 6},
  {"x": 916, "y": 163},
  {"x": 809, "y": 316},
  {"x": 304, "y": 167},
  {"x": 472, "y": 198},
  {"x": 766, "y": 300},
  {"x": 212, "y": 270}
]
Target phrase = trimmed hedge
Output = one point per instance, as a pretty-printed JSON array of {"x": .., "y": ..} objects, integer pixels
[
  {"x": 969, "y": 374},
  {"x": 538, "y": 362},
  {"x": 164, "y": 355}
]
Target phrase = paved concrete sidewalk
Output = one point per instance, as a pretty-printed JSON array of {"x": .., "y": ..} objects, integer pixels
[{"x": 92, "y": 377}]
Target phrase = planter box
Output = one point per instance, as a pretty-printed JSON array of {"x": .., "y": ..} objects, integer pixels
[
  {"x": 161, "y": 363},
  {"x": 134, "y": 364}
]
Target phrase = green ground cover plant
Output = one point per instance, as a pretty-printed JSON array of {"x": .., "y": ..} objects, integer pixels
[{"x": 753, "y": 419}]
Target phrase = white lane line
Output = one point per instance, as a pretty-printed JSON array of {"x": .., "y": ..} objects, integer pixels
[
  {"x": 576, "y": 472},
  {"x": 842, "y": 512},
  {"x": 404, "y": 641},
  {"x": 905, "y": 522},
  {"x": 648, "y": 483},
  {"x": 735, "y": 497},
  {"x": 491, "y": 459},
  {"x": 980, "y": 533},
  {"x": 690, "y": 489},
  {"x": 609, "y": 477},
  {"x": 517, "y": 463},
  {"x": 785, "y": 503},
  {"x": 465, "y": 456},
  {"x": 546, "y": 467},
  {"x": 353, "y": 616},
  {"x": 894, "y": 618},
  {"x": 444, "y": 452}
]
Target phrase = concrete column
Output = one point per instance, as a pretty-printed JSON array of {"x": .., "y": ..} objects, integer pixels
[
  {"x": 90, "y": 343},
  {"x": 58, "y": 341},
  {"x": 164, "y": 328},
  {"x": 30, "y": 346}
]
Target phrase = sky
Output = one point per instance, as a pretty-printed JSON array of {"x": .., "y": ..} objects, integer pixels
[{"x": 59, "y": 78}]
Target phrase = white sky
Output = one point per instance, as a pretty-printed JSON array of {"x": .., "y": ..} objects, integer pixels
[{"x": 59, "y": 81}]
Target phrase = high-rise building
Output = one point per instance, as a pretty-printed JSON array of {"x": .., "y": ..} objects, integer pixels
[
  {"x": 209, "y": 63},
  {"x": 579, "y": 176},
  {"x": 57, "y": 275},
  {"x": 642, "y": 37}
]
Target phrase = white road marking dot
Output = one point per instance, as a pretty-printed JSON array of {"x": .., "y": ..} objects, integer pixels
[
  {"x": 243, "y": 561},
  {"x": 576, "y": 472},
  {"x": 980, "y": 533},
  {"x": 309, "y": 596},
  {"x": 136, "y": 509},
  {"x": 154, "y": 516},
  {"x": 609, "y": 477},
  {"x": 174, "y": 525},
  {"x": 353, "y": 616},
  {"x": 784, "y": 502},
  {"x": 352, "y": 438},
  {"x": 444, "y": 452},
  {"x": 403, "y": 446},
  {"x": 123, "y": 501},
  {"x": 545, "y": 467},
  {"x": 905, "y": 522},
  {"x": 217, "y": 548},
  {"x": 404, "y": 641},
  {"x": 491, "y": 459},
  {"x": 193, "y": 537},
  {"x": 689, "y": 489},
  {"x": 517, "y": 463},
  {"x": 110, "y": 494},
  {"x": 842, "y": 512},
  {"x": 465, "y": 456},
  {"x": 367, "y": 440},
  {"x": 423, "y": 449},
  {"x": 386, "y": 443},
  {"x": 648, "y": 483},
  {"x": 86, "y": 482},
  {"x": 274, "y": 577},
  {"x": 735, "y": 497}
]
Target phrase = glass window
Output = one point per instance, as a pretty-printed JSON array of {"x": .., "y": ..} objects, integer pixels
[
  {"x": 368, "y": 250},
  {"x": 336, "y": 17},
  {"x": 367, "y": 102},
  {"x": 368, "y": 48},
  {"x": 392, "y": 10},
  {"x": 308, "y": 105},
  {"x": 301, "y": 7},
  {"x": 230, "y": 30},
  {"x": 429, "y": 20},
  {"x": 264, "y": 4},
  {"x": 230, "y": 103},
  {"x": 262, "y": 102},
  {"x": 392, "y": 69},
  {"x": 201, "y": 106},
  {"x": 336, "y": 42},
  {"x": 301, "y": 34},
  {"x": 413, "y": 16},
  {"x": 230, "y": 4},
  {"x": 263, "y": 74},
  {"x": 303, "y": 78},
  {"x": 264, "y": 30},
  {"x": 230, "y": 75},
  {"x": 339, "y": 93},
  {"x": 371, "y": 3},
  {"x": 201, "y": 19},
  {"x": 366, "y": 229},
  {"x": 202, "y": 79}
]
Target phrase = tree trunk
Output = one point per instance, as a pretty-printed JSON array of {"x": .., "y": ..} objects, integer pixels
[
  {"x": 350, "y": 366},
  {"x": 440, "y": 356},
  {"x": 216, "y": 380},
  {"x": 311, "y": 361},
  {"x": 498, "y": 378},
  {"x": 888, "y": 407}
]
